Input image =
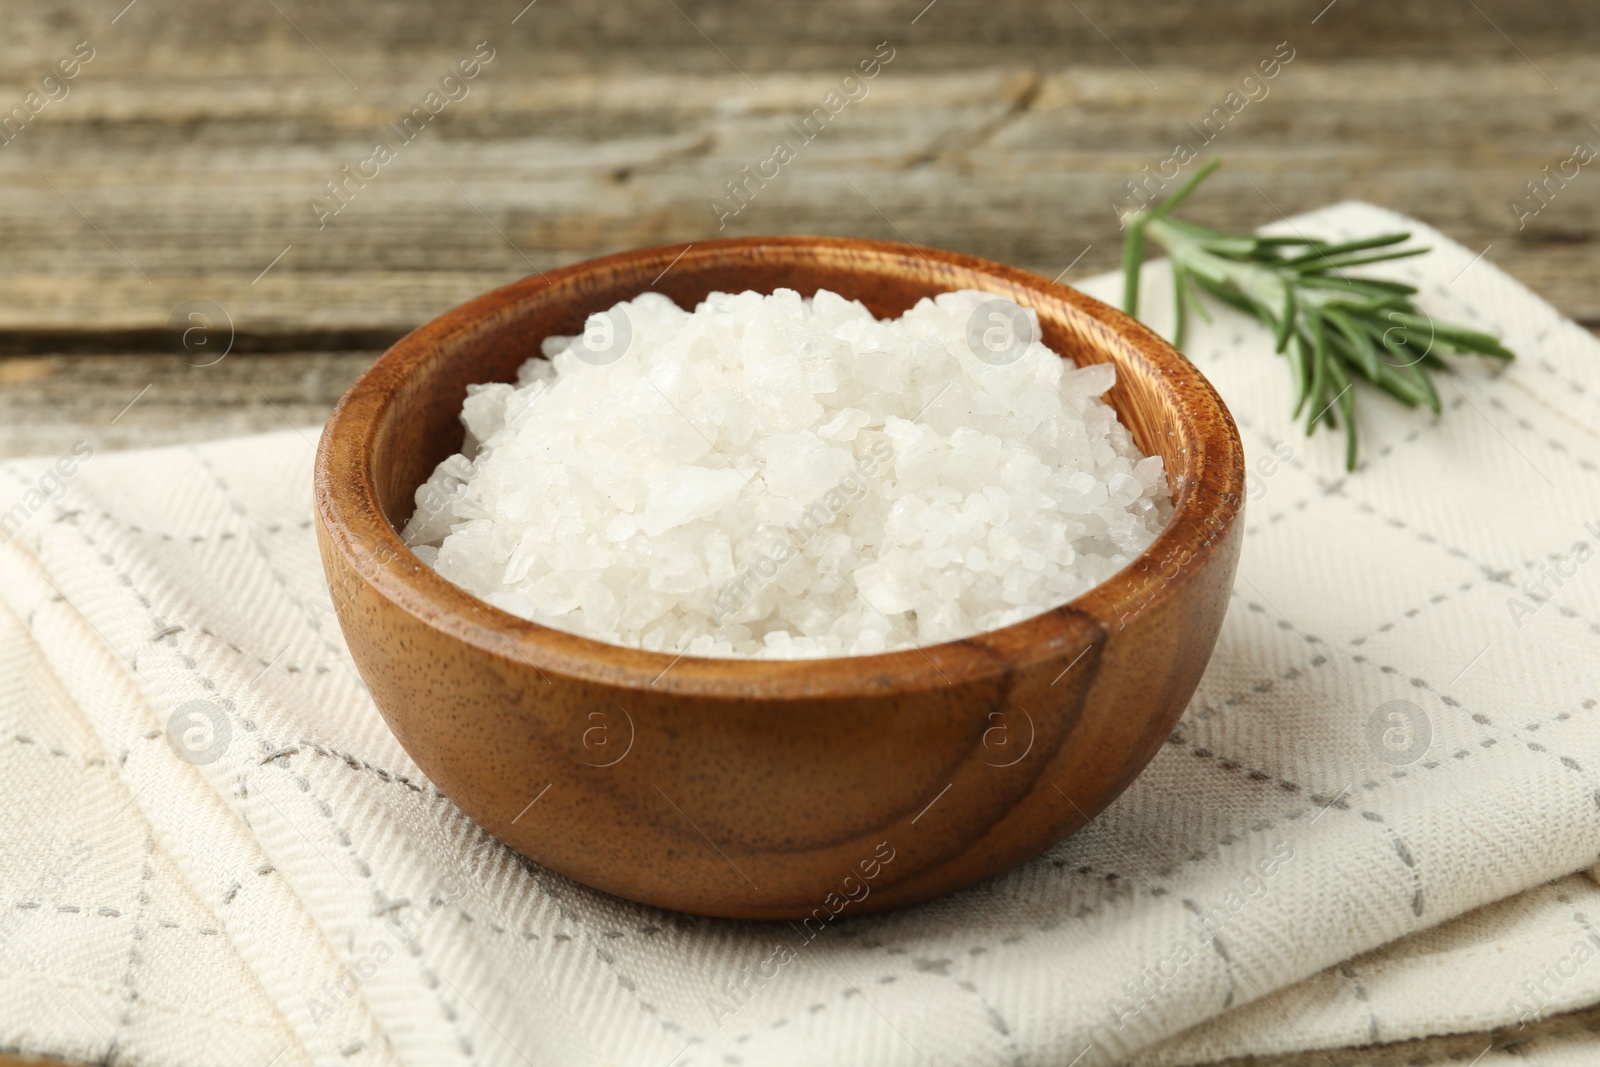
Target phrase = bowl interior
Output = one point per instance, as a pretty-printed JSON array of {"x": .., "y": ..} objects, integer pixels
[
  {"x": 402, "y": 418},
  {"x": 423, "y": 426}
]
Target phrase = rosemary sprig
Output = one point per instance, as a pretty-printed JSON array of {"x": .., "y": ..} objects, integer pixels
[{"x": 1333, "y": 328}]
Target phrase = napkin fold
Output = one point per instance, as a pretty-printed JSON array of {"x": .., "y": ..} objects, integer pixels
[{"x": 1371, "y": 828}]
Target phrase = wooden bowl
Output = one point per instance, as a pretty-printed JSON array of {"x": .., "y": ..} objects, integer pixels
[{"x": 801, "y": 789}]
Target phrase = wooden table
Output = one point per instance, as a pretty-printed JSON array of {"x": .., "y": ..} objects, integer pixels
[{"x": 181, "y": 164}]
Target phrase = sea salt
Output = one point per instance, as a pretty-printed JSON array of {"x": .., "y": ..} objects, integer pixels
[{"x": 772, "y": 476}]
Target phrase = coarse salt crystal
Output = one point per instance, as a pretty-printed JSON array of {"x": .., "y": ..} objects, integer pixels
[{"x": 772, "y": 476}]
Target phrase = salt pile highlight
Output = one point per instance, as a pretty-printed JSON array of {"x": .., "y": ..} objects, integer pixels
[{"x": 782, "y": 477}]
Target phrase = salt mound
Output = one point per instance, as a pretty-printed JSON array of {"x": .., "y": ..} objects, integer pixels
[{"x": 784, "y": 477}]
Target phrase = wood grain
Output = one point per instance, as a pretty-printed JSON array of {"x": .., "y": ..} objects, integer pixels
[
  {"x": 184, "y": 159},
  {"x": 1017, "y": 164},
  {"x": 192, "y": 144},
  {"x": 48, "y": 403}
]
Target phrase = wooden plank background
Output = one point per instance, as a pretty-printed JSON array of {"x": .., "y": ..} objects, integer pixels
[{"x": 182, "y": 161}]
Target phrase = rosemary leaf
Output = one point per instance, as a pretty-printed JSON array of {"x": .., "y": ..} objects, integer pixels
[{"x": 1332, "y": 328}]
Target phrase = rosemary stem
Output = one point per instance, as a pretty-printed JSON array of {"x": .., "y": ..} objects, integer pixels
[{"x": 1331, "y": 326}]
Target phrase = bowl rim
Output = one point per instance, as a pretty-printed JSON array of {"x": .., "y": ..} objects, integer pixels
[{"x": 1208, "y": 500}]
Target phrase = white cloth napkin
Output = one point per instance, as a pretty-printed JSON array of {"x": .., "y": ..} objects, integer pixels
[{"x": 1366, "y": 829}]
